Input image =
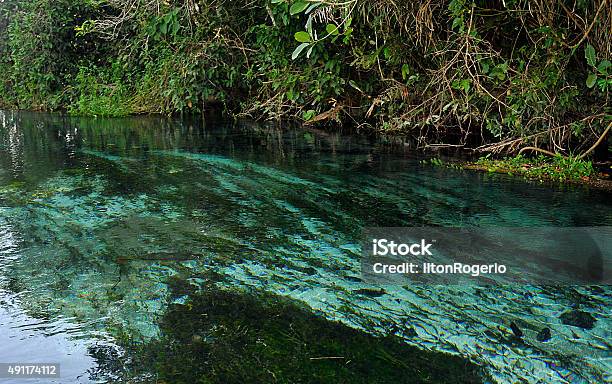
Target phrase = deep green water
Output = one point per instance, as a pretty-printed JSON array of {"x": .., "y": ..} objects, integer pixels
[{"x": 118, "y": 235}]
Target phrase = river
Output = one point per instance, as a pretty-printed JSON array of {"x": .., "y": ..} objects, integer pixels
[{"x": 112, "y": 228}]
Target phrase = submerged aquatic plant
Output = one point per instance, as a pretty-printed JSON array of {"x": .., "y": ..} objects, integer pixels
[{"x": 220, "y": 336}]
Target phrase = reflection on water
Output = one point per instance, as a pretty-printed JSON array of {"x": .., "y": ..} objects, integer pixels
[
  {"x": 105, "y": 224},
  {"x": 41, "y": 340}
]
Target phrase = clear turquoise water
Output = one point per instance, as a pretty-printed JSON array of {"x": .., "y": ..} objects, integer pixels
[{"x": 101, "y": 218}]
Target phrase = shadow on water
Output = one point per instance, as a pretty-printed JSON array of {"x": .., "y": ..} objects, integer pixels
[{"x": 219, "y": 336}]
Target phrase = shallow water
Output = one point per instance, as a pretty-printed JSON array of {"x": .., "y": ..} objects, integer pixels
[{"x": 104, "y": 223}]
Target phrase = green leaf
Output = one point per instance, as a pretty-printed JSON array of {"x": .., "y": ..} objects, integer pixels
[
  {"x": 457, "y": 23},
  {"x": 309, "y": 52},
  {"x": 175, "y": 28},
  {"x": 292, "y": 95},
  {"x": 589, "y": 54},
  {"x": 331, "y": 29},
  {"x": 298, "y": 7},
  {"x": 309, "y": 25},
  {"x": 302, "y": 37},
  {"x": 307, "y": 115},
  {"x": 590, "y": 81},
  {"x": 485, "y": 67},
  {"x": 405, "y": 71},
  {"x": 299, "y": 50},
  {"x": 354, "y": 85},
  {"x": 603, "y": 66},
  {"x": 387, "y": 53},
  {"x": 312, "y": 7}
]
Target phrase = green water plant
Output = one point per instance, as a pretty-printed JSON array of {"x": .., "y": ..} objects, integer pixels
[
  {"x": 541, "y": 167},
  {"x": 219, "y": 336}
]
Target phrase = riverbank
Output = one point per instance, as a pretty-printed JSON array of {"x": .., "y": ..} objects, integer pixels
[
  {"x": 556, "y": 169},
  {"x": 539, "y": 72}
]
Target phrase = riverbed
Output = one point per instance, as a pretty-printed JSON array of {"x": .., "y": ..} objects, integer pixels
[{"x": 109, "y": 228}]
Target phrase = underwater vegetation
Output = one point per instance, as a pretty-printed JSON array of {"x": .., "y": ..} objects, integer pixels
[
  {"x": 177, "y": 240},
  {"x": 219, "y": 336}
]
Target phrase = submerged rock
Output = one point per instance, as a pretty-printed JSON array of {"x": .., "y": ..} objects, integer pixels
[
  {"x": 410, "y": 332},
  {"x": 577, "y": 318},
  {"x": 516, "y": 330},
  {"x": 544, "y": 335},
  {"x": 370, "y": 292}
]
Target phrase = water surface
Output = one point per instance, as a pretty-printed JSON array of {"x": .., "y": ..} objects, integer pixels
[{"x": 105, "y": 224}]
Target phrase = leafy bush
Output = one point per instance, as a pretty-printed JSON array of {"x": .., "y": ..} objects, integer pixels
[
  {"x": 100, "y": 92},
  {"x": 40, "y": 52},
  {"x": 512, "y": 73}
]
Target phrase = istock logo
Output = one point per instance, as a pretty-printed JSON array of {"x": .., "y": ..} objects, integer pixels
[{"x": 384, "y": 247}]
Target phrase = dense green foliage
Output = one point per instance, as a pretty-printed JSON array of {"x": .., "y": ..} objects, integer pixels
[{"x": 451, "y": 71}]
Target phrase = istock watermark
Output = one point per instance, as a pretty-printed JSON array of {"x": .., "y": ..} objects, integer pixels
[
  {"x": 434, "y": 255},
  {"x": 384, "y": 247},
  {"x": 474, "y": 270}
]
